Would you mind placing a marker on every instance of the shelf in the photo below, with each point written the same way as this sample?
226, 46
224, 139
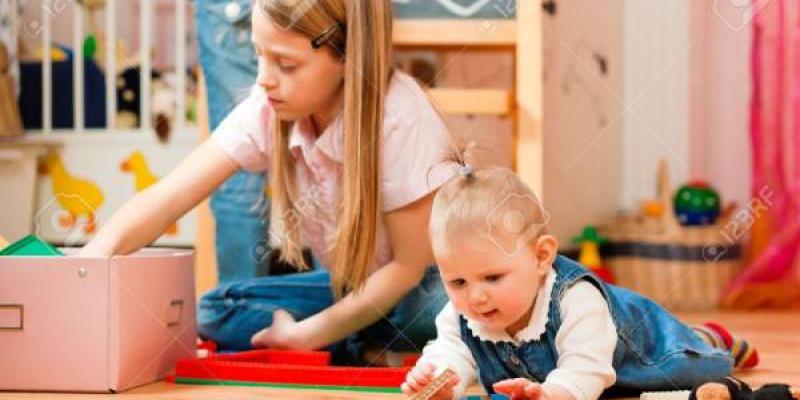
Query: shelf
454, 33
472, 101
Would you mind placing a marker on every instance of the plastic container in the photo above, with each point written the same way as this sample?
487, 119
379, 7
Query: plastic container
81, 324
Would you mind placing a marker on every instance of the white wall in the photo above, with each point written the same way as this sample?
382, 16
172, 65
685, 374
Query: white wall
687, 88
582, 125
658, 53
678, 88
721, 89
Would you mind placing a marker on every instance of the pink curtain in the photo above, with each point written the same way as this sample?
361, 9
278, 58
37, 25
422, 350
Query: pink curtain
770, 278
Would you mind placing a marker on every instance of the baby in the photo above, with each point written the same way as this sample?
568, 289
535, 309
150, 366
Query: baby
532, 324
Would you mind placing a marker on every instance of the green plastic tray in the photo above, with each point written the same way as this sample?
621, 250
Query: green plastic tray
30, 245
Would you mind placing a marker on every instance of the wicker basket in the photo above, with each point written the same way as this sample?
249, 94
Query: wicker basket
686, 273
684, 268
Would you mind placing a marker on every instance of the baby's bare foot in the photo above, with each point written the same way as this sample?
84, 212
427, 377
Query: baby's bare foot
713, 391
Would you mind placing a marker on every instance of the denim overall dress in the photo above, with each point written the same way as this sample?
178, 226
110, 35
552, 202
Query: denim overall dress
654, 350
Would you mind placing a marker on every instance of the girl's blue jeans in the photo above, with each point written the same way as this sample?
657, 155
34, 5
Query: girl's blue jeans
233, 312
239, 206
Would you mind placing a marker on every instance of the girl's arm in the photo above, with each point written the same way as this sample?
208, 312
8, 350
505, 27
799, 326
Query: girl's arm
143, 218
408, 234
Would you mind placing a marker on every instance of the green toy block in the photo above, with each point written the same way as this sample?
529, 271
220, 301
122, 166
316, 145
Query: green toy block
30, 245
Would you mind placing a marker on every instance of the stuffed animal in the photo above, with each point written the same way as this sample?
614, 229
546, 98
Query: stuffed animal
163, 102
731, 388
162, 106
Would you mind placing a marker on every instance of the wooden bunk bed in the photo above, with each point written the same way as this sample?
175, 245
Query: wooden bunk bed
520, 35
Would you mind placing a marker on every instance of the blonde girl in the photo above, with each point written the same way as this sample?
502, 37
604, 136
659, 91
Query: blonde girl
353, 149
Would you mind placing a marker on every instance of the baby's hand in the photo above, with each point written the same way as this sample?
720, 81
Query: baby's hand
421, 376
520, 389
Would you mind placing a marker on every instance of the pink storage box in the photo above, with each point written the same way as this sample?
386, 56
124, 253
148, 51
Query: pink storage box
95, 324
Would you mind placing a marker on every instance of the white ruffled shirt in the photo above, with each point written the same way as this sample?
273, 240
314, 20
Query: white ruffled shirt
585, 341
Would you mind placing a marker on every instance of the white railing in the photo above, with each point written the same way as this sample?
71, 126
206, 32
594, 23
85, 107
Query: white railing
111, 61
51, 9
77, 66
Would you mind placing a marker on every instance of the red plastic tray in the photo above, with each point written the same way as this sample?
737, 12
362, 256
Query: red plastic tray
287, 367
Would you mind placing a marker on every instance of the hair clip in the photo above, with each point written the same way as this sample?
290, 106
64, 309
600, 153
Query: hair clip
325, 36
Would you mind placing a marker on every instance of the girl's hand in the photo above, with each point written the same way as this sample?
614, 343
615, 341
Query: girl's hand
520, 389
283, 334
422, 375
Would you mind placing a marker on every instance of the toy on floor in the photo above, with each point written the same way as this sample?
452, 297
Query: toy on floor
670, 395
590, 241
728, 389
30, 245
286, 369
731, 388
437, 383
441, 380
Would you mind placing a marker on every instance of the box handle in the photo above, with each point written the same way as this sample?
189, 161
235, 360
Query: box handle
174, 312
12, 317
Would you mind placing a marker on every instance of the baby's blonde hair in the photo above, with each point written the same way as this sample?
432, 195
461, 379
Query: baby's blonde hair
491, 204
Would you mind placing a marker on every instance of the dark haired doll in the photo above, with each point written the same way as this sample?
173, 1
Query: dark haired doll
731, 388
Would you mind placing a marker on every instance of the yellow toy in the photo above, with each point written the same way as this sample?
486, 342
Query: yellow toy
652, 208
78, 197
136, 164
590, 241
56, 54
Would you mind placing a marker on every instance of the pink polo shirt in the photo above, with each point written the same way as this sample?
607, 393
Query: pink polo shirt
415, 143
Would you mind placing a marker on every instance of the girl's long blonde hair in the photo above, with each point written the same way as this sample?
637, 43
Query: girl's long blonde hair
361, 32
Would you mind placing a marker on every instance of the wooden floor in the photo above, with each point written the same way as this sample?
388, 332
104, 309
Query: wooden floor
777, 336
